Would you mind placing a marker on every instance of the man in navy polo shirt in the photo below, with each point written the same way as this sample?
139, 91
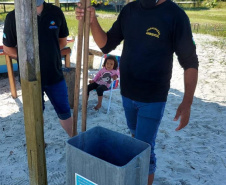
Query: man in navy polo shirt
52, 35
152, 30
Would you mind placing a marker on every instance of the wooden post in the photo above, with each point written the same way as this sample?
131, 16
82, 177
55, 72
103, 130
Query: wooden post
78, 72
85, 66
28, 49
57, 3
65, 52
11, 76
90, 62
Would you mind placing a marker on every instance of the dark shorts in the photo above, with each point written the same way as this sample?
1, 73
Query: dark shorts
58, 96
99, 88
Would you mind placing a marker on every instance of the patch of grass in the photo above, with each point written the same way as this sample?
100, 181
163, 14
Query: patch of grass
214, 29
3, 14
208, 20
207, 16
2, 17
72, 23
106, 23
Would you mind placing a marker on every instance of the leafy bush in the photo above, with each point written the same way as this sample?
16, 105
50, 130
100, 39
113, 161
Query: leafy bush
211, 3
96, 3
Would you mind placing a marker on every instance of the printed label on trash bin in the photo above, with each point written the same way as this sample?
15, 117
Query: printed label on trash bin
80, 180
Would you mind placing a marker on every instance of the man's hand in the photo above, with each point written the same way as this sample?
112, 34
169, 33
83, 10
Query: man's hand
184, 109
62, 42
183, 112
115, 77
98, 33
11, 51
91, 81
79, 12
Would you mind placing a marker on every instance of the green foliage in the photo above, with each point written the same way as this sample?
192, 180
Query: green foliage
99, 3
96, 3
106, 3
211, 3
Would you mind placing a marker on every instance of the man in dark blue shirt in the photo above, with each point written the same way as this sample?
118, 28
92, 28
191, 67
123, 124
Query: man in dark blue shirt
52, 36
152, 31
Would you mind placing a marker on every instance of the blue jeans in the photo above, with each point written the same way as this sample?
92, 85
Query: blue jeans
143, 120
57, 94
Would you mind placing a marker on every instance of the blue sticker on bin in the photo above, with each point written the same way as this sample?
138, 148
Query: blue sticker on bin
80, 180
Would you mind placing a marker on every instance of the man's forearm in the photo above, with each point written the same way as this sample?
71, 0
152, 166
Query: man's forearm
98, 33
190, 82
11, 51
62, 42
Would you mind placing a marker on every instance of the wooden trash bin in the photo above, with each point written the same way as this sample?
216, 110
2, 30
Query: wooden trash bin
105, 157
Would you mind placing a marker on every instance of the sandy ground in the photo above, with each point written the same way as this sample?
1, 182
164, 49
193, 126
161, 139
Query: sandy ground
195, 155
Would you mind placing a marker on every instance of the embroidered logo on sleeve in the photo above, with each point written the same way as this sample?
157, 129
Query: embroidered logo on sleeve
153, 32
52, 25
193, 41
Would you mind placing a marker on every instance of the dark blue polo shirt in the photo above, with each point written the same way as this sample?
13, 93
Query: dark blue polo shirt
150, 39
51, 26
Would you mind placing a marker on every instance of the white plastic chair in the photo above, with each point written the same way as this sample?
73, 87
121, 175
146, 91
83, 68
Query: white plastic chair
114, 85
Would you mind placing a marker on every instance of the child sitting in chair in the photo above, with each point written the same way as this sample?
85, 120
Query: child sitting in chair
102, 80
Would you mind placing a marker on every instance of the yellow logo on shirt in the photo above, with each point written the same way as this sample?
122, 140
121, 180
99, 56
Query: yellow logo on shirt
153, 32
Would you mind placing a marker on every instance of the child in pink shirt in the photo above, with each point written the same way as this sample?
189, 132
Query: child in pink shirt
102, 80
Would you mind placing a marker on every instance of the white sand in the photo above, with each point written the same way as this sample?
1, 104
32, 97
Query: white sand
195, 155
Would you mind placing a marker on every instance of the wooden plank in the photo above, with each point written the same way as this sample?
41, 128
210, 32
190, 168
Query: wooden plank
7, 2
186, 2
78, 72
33, 118
95, 52
28, 50
67, 60
11, 76
65, 52
85, 66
